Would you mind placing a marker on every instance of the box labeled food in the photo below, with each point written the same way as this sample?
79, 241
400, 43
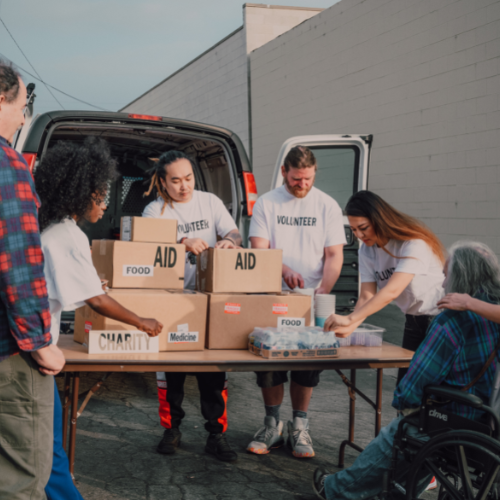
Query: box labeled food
232, 317
128, 264
294, 353
148, 230
183, 314
239, 270
120, 342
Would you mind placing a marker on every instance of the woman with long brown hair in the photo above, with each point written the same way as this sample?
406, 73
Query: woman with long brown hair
401, 260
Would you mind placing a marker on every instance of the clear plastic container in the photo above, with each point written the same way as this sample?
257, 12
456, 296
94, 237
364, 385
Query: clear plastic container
368, 335
344, 341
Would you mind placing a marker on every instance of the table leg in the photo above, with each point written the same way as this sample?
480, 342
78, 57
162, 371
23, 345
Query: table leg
352, 418
67, 382
378, 401
74, 410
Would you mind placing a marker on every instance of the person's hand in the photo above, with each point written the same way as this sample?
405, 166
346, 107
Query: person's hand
344, 331
225, 244
195, 245
336, 321
293, 279
321, 291
50, 359
150, 326
455, 301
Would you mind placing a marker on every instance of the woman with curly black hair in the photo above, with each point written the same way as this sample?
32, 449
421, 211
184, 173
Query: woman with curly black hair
72, 182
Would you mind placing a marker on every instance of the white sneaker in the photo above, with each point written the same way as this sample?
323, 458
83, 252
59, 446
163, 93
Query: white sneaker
298, 438
267, 437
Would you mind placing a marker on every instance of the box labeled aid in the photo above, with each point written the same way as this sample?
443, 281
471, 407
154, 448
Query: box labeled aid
183, 314
127, 264
232, 317
148, 230
239, 270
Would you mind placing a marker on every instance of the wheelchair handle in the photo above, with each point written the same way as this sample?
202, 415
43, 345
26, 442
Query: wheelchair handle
455, 395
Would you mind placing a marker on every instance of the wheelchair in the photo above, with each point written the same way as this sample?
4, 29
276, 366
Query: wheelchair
463, 454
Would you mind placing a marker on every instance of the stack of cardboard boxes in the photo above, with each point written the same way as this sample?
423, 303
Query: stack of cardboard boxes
244, 292
145, 273
238, 290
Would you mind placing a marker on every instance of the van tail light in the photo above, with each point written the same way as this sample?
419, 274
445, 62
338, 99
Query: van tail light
30, 160
146, 117
250, 191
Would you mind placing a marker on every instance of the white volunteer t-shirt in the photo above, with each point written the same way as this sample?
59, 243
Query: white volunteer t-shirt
205, 217
70, 274
301, 227
426, 288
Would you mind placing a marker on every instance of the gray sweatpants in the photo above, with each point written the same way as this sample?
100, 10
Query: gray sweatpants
26, 428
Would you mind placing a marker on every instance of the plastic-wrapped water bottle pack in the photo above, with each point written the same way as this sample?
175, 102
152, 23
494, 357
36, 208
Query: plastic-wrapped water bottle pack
290, 338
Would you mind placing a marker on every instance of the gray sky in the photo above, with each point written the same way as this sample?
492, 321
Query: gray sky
108, 52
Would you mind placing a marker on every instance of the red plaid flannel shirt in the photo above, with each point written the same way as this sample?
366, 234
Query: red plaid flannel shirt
24, 306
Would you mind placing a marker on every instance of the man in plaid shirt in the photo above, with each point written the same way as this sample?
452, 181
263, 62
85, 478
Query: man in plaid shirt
28, 360
455, 349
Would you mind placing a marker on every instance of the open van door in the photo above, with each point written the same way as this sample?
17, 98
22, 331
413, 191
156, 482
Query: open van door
342, 171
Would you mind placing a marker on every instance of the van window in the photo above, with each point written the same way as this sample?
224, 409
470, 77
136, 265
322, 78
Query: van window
337, 173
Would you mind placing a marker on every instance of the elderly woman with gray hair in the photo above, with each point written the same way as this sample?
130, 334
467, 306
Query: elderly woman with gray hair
455, 349
463, 298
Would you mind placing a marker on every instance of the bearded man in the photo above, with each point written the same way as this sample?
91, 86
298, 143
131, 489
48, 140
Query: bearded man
307, 225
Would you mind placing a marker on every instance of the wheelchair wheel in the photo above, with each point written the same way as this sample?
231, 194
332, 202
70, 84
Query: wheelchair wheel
466, 464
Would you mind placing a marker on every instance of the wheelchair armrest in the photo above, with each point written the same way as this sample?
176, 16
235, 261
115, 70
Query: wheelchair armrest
455, 395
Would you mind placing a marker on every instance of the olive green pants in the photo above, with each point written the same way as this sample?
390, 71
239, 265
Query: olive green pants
26, 428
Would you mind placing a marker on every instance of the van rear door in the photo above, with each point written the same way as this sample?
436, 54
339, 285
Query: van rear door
343, 162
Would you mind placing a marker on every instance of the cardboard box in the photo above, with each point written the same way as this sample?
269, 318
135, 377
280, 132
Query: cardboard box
148, 230
294, 353
182, 313
128, 264
232, 317
239, 270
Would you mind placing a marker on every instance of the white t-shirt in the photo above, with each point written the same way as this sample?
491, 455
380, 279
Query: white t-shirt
301, 227
426, 288
70, 274
205, 217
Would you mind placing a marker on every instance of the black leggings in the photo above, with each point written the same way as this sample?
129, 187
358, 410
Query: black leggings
414, 334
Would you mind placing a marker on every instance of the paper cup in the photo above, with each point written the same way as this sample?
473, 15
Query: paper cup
320, 321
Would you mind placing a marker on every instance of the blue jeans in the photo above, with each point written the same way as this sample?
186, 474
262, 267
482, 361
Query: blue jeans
363, 480
60, 485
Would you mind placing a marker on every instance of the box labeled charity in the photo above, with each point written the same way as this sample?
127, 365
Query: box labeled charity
183, 314
232, 316
293, 343
120, 342
239, 270
148, 230
128, 264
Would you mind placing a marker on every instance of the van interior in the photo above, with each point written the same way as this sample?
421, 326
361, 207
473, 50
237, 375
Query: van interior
135, 149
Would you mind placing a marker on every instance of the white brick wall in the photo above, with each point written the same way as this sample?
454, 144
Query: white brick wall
213, 89
423, 76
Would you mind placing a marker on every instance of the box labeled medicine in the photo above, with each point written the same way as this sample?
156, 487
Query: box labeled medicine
127, 264
232, 317
239, 270
183, 314
148, 230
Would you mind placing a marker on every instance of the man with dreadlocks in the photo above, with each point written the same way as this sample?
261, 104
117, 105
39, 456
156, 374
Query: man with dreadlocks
201, 218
